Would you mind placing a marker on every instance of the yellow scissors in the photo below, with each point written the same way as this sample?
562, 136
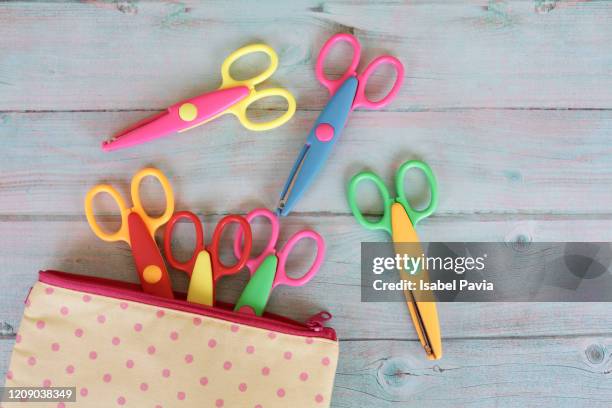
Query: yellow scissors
398, 220
138, 230
233, 96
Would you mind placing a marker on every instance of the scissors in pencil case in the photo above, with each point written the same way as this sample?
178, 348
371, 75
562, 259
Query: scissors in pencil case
138, 230
233, 96
205, 267
268, 268
398, 220
347, 94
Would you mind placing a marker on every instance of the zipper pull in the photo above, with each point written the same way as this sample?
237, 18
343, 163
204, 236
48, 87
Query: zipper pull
317, 322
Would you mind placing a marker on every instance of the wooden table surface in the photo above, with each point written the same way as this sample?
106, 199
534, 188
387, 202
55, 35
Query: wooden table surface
510, 102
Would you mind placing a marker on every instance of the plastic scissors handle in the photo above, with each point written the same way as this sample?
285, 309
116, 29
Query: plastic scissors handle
333, 84
228, 80
384, 222
152, 223
281, 277
188, 265
361, 100
416, 215
254, 263
219, 268
122, 234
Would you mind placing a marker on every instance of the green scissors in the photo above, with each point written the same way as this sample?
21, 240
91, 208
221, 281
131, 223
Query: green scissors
398, 220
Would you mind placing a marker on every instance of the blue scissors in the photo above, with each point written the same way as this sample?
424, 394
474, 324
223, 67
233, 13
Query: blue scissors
347, 93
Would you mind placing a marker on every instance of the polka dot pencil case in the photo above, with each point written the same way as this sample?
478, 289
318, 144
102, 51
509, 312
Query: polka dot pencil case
121, 347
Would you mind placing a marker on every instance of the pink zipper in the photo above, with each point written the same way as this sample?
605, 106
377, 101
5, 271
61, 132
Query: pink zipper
314, 326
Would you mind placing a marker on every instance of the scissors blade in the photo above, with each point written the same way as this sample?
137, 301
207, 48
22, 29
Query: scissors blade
319, 143
180, 117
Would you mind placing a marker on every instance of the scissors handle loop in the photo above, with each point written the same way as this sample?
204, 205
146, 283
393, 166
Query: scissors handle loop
361, 100
384, 222
152, 223
333, 84
228, 80
254, 262
416, 215
240, 109
219, 268
188, 265
122, 234
281, 274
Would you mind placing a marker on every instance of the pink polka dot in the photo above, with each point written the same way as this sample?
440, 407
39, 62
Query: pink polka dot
258, 406
303, 376
64, 311
325, 361
138, 327
101, 319
61, 405
174, 336
319, 398
151, 350
219, 403
227, 365
242, 387
165, 373
188, 358
197, 321
280, 392
160, 313
93, 355
78, 332
235, 328
129, 363
203, 380
271, 335
84, 391
121, 400
116, 341
212, 343
70, 369
86, 298
55, 347
144, 387
18, 338
32, 361
123, 305
40, 324
250, 349
288, 355
265, 371
9, 375
309, 340
49, 291
46, 383
180, 395
107, 378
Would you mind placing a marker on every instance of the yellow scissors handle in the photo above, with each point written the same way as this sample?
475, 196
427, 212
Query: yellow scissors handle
228, 80
122, 234
152, 223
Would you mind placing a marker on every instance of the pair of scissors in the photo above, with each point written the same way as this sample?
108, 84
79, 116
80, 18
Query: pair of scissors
138, 230
398, 220
205, 267
233, 96
268, 268
347, 94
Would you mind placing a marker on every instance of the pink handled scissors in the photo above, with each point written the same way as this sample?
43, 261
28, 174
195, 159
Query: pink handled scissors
268, 268
347, 94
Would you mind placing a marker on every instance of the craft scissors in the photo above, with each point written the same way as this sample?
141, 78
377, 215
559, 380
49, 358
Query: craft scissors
268, 268
138, 230
233, 96
398, 220
347, 94
205, 267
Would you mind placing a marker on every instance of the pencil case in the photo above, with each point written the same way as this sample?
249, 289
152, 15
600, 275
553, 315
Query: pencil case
121, 347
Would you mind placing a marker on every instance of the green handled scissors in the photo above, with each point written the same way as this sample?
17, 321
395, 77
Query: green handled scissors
398, 220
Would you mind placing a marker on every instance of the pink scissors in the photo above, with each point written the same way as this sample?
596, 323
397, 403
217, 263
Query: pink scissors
268, 268
347, 94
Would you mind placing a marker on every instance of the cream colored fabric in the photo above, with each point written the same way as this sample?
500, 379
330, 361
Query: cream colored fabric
126, 354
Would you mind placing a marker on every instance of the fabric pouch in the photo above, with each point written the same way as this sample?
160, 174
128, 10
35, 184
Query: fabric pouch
121, 347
